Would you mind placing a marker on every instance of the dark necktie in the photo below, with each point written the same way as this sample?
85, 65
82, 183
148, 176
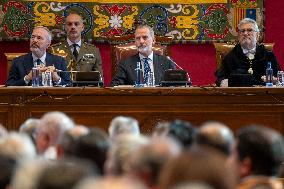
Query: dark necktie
38, 62
147, 69
75, 52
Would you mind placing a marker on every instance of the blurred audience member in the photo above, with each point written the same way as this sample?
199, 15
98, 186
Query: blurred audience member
68, 140
28, 173
49, 132
199, 164
217, 135
7, 167
93, 147
120, 151
123, 125
147, 160
3, 130
110, 183
64, 174
29, 127
183, 131
17, 146
258, 154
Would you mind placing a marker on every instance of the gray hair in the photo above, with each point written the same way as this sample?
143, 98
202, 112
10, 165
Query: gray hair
146, 26
123, 125
248, 20
49, 36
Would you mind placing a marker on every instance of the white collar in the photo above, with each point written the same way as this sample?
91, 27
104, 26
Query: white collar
149, 57
70, 43
42, 59
246, 51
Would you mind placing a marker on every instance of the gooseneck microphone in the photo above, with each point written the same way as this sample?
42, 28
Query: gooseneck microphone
179, 67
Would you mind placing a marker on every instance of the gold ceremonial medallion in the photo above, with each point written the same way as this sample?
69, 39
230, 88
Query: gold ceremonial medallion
251, 56
250, 71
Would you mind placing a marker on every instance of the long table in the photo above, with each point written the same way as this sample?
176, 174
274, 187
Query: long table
97, 106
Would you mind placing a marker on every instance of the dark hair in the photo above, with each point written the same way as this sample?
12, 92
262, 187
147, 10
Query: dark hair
183, 131
264, 146
7, 167
93, 147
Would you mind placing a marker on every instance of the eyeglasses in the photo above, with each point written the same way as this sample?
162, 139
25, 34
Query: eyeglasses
249, 31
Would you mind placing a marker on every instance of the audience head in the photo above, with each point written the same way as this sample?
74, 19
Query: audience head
144, 39
110, 183
51, 129
29, 127
200, 164
64, 174
68, 140
40, 40
3, 130
123, 125
17, 146
74, 26
182, 131
7, 167
28, 173
93, 147
258, 151
146, 161
119, 153
216, 135
248, 33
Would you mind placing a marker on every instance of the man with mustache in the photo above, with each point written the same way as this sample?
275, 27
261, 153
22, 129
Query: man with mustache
21, 70
157, 64
247, 57
81, 56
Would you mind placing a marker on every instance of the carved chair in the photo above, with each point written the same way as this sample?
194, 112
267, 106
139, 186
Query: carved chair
10, 57
123, 47
222, 49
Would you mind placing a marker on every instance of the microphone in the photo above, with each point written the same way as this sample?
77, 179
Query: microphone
179, 67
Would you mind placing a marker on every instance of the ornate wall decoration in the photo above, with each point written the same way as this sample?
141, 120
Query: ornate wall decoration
185, 20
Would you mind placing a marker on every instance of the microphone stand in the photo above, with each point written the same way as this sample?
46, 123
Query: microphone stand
179, 67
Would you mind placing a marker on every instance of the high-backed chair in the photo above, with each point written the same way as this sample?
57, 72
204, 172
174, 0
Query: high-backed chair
10, 57
222, 49
123, 47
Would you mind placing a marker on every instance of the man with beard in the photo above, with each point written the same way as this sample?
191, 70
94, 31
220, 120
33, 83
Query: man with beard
152, 62
247, 57
81, 56
21, 71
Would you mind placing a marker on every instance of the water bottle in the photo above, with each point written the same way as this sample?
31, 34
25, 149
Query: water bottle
139, 75
269, 75
35, 77
280, 78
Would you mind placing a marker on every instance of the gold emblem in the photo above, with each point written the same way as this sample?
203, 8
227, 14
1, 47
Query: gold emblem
250, 71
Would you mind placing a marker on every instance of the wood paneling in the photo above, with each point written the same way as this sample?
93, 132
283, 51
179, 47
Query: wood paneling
97, 106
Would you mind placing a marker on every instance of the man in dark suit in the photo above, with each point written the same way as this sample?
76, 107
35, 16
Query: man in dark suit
151, 62
21, 71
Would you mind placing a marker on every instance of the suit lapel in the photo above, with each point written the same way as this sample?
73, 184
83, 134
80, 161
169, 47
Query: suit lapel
48, 60
28, 63
158, 67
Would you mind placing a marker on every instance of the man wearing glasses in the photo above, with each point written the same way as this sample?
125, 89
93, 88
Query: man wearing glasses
247, 57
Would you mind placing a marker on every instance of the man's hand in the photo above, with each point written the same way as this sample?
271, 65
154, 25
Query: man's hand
29, 77
224, 83
55, 76
274, 79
